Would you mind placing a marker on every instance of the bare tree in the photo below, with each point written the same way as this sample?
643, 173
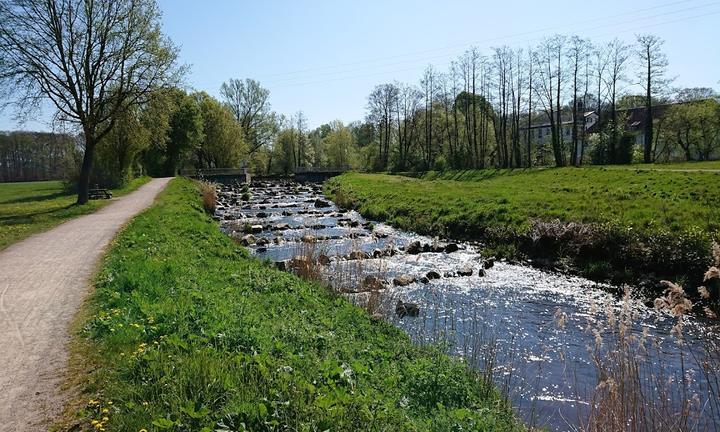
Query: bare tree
249, 103
653, 81
92, 59
576, 54
548, 88
618, 57
381, 108
407, 101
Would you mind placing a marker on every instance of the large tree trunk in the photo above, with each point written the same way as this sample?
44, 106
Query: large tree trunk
84, 179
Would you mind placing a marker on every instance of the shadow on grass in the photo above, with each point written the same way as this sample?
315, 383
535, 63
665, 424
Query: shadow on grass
36, 198
27, 218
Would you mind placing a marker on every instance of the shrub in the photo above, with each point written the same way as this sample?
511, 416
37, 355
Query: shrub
208, 193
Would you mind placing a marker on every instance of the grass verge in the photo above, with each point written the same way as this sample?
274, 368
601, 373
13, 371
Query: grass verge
31, 207
191, 334
607, 223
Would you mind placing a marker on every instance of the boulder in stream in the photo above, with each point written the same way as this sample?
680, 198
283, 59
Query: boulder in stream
465, 271
403, 280
414, 248
320, 203
358, 255
308, 238
403, 309
432, 274
372, 283
256, 229
247, 240
451, 247
489, 263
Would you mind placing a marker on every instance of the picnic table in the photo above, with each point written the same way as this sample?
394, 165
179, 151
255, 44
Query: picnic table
99, 193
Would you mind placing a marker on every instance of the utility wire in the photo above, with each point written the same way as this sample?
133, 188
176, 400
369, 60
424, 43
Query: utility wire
380, 73
553, 29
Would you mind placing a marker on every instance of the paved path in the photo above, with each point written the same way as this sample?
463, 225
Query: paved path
43, 281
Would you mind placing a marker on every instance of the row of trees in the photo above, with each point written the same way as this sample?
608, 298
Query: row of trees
481, 112
35, 156
108, 70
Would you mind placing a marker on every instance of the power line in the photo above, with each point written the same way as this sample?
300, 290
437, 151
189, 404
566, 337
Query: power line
286, 84
488, 40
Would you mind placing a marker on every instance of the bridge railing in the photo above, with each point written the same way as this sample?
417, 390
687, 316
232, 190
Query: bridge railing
208, 172
321, 170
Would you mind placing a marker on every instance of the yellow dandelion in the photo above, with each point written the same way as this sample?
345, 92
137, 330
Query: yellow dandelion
109, 402
143, 430
105, 410
94, 422
105, 419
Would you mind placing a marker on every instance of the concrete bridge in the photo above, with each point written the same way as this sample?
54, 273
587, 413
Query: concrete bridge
318, 174
219, 175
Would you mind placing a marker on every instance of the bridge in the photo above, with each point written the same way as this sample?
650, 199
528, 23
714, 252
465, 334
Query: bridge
218, 175
318, 174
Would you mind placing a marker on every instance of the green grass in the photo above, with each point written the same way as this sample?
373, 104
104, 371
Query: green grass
188, 333
667, 213
32, 207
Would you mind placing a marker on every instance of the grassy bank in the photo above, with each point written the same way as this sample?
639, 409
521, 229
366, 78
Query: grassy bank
32, 207
607, 223
188, 333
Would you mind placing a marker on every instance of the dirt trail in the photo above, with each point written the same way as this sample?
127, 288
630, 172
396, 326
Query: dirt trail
43, 281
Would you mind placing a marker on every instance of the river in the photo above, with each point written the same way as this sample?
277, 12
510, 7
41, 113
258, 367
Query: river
546, 337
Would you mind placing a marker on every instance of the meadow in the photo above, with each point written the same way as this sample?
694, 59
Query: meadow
608, 223
186, 332
31, 207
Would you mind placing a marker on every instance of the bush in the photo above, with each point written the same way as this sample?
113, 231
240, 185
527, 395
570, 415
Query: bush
208, 193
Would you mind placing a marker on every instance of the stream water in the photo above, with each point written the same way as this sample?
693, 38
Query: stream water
537, 329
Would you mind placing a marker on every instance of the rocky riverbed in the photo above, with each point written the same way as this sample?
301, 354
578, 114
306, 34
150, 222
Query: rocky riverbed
539, 332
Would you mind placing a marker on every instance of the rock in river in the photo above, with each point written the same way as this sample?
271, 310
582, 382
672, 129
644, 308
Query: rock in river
372, 283
320, 203
432, 274
414, 248
403, 309
247, 240
451, 247
403, 280
358, 255
465, 271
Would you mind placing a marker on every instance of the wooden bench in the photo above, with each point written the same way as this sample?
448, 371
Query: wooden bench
99, 193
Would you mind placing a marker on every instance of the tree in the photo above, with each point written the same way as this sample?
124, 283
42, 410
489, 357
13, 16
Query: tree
117, 153
222, 145
92, 59
382, 103
618, 57
653, 81
249, 102
548, 90
339, 145
576, 54
186, 133
694, 127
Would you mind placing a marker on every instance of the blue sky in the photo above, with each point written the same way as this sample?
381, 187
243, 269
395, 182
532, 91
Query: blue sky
324, 57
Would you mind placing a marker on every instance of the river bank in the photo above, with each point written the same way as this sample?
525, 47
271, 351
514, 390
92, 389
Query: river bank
618, 226
189, 332
548, 340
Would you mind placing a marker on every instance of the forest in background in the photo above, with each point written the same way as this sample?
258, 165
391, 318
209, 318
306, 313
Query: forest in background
484, 111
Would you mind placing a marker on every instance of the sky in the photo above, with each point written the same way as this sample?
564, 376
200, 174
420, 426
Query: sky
324, 57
